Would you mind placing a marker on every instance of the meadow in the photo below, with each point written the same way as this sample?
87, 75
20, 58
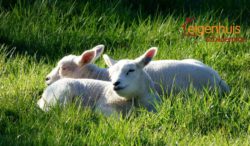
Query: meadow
34, 35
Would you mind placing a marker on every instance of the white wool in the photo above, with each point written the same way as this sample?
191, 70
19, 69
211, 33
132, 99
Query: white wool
179, 75
93, 93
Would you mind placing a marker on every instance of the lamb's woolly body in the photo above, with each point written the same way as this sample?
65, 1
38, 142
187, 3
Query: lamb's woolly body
93, 93
179, 75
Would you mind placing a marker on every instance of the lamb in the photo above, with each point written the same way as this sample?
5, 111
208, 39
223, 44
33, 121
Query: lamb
73, 66
173, 76
130, 85
96, 94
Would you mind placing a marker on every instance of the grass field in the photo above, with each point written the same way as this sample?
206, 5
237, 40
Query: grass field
35, 34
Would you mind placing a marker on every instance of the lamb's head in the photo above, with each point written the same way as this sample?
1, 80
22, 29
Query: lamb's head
128, 77
72, 66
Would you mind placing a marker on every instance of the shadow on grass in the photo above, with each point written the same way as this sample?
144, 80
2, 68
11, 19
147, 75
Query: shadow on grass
149, 7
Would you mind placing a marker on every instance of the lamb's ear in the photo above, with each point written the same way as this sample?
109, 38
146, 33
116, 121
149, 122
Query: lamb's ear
98, 51
86, 57
109, 61
143, 60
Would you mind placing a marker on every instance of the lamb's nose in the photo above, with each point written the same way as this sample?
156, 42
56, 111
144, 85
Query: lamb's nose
116, 83
47, 78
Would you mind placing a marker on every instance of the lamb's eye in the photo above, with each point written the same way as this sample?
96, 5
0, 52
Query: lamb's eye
64, 68
129, 71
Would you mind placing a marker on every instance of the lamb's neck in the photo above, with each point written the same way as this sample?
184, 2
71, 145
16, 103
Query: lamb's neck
113, 97
147, 86
148, 101
121, 104
94, 72
147, 96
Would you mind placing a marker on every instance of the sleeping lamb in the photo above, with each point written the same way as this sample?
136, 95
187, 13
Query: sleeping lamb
178, 75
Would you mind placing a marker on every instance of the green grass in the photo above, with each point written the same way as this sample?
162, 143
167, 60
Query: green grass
34, 36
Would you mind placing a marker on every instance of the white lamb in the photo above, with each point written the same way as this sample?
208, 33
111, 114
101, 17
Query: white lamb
95, 94
129, 83
179, 75
73, 66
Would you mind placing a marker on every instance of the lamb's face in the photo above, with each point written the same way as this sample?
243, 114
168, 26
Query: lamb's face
128, 76
72, 66
66, 67
125, 76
